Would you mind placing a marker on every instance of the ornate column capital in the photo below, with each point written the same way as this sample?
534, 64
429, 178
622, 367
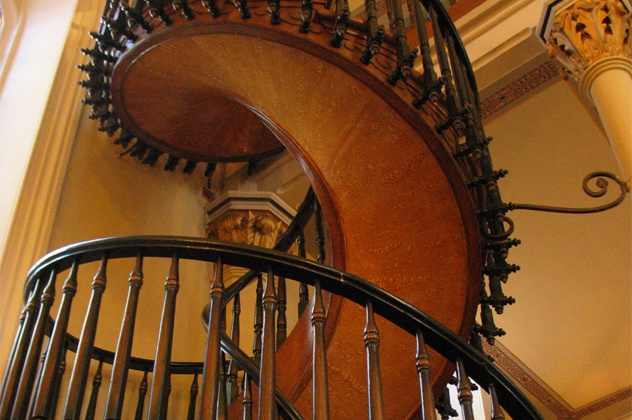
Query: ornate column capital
581, 33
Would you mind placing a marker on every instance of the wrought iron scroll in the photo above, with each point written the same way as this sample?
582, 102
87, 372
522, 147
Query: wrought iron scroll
601, 183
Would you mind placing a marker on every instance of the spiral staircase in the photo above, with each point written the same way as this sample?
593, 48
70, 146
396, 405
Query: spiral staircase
382, 144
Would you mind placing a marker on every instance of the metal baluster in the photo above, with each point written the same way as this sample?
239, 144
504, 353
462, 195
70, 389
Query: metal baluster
256, 347
242, 6
52, 409
497, 412
120, 367
267, 378
405, 57
281, 307
273, 8
79, 376
457, 71
192, 400
94, 395
303, 292
341, 24
160, 379
20, 349
425, 384
443, 405
212, 7
374, 376
212, 360
183, 6
233, 386
444, 65
465, 391
374, 32
247, 401
25, 387
432, 85
320, 402
157, 10
45, 390
222, 399
307, 11
142, 391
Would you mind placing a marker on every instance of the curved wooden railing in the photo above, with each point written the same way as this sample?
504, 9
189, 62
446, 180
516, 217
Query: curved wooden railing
23, 382
450, 97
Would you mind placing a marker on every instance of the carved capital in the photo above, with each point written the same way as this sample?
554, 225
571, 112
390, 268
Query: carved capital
250, 227
588, 31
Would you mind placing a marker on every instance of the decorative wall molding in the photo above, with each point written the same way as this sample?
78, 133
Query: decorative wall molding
520, 89
515, 369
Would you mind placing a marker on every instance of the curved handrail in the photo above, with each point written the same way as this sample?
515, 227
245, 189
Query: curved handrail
358, 290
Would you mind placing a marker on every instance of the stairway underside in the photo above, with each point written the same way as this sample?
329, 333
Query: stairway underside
395, 201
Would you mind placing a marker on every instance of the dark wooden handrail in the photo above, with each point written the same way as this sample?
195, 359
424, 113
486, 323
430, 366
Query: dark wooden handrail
349, 286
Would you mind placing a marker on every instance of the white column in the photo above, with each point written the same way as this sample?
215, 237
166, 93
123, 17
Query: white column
591, 40
608, 84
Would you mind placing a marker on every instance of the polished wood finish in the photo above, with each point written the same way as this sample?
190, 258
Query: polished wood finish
368, 226
20, 350
422, 359
160, 381
281, 317
25, 386
45, 393
120, 368
320, 404
79, 377
142, 392
497, 412
193, 397
267, 380
233, 386
464, 387
94, 395
374, 373
212, 360
207, 127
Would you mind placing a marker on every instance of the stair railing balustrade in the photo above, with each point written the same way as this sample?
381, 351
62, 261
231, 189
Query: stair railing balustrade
215, 388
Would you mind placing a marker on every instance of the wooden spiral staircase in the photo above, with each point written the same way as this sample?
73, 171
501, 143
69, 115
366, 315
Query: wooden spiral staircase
398, 161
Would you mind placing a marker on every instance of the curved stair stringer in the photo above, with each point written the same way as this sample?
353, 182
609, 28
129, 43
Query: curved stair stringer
397, 207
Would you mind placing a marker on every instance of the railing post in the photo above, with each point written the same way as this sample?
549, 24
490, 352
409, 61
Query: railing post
45, 390
372, 343
233, 386
25, 387
94, 395
120, 368
193, 397
465, 391
423, 370
20, 350
320, 397
158, 396
79, 377
142, 392
267, 372
210, 376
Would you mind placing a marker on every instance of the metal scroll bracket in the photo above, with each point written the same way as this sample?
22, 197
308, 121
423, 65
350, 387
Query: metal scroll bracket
602, 185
